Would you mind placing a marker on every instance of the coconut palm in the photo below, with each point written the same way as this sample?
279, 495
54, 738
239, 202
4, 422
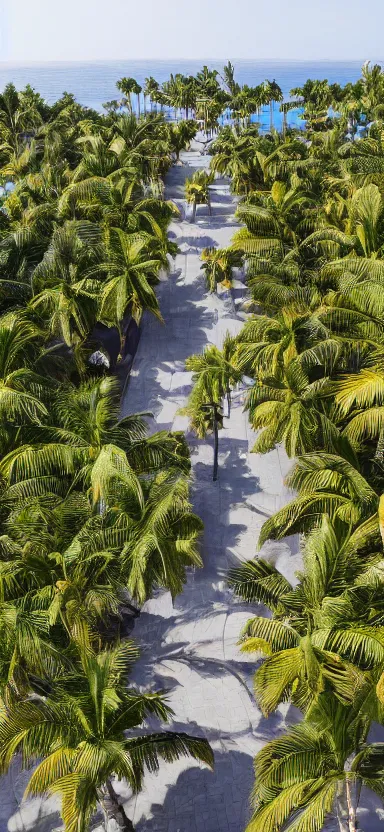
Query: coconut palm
149, 520
131, 271
151, 89
271, 221
180, 136
83, 420
197, 191
18, 114
218, 264
314, 773
127, 86
235, 154
213, 376
88, 731
326, 483
320, 625
21, 388
290, 410
272, 92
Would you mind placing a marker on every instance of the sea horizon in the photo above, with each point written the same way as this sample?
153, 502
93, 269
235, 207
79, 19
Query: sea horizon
93, 83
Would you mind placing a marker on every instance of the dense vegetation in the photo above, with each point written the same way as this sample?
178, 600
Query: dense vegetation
95, 512
311, 353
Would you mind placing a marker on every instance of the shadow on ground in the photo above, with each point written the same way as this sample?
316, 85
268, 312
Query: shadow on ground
205, 801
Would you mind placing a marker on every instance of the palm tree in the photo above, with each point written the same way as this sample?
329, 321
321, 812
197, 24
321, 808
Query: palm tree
218, 264
319, 626
290, 410
271, 92
197, 191
21, 388
213, 376
151, 89
271, 221
127, 86
141, 146
148, 519
60, 290
315, 772
18, 113
88, 731
180, 136
316, 98
331, 484
137, 89
130, 270
235, 154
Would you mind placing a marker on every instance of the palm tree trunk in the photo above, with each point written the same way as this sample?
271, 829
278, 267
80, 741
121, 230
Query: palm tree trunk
138, 104
229, 402
341, 808
193, 212
271, 115
381, 517
114, 811
352, 805
215, 447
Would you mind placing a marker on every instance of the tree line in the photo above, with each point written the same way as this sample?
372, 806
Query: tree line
95, 510
310, 360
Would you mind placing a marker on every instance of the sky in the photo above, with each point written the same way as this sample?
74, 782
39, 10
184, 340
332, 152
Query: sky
53, 30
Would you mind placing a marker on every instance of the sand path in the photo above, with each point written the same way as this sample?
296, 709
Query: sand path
190, 648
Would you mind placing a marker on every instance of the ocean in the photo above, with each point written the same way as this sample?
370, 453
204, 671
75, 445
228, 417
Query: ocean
95, 83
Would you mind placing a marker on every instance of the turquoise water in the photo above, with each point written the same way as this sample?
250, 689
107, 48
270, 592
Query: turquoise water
94, 83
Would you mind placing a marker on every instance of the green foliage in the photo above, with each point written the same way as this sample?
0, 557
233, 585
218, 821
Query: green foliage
311, 356
85, 731
95, 511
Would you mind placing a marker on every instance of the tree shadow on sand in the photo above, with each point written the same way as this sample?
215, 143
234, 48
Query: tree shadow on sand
205, 801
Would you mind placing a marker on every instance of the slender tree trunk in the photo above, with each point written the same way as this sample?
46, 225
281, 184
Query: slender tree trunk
341, 808
186, 112
122, 341
138, 104
229, 402
215, 447
114, 811
381, 517
145, 104
352, 805
271, 115
209, 207
193, 212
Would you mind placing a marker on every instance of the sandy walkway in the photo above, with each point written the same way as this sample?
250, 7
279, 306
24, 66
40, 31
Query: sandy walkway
190, 649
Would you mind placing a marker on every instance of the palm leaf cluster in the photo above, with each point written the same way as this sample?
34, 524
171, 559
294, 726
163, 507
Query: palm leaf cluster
94, 509
311, 355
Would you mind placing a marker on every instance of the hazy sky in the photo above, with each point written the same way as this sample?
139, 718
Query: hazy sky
47, 30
